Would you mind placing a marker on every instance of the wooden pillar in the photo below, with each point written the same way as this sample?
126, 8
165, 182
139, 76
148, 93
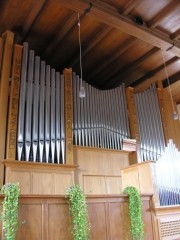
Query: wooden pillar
13, 103
133, 123
68, 115
8, 38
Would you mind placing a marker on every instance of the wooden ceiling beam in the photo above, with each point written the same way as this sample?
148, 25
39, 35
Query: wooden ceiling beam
144, 82
108, 15
96, 40
122, 48
172, 79
130, 6
164, 13
129, 69
175, 35
31, 18
70, 23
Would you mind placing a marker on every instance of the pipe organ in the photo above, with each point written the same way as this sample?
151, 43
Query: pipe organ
100, 119
152, 143
41, 134
168, 175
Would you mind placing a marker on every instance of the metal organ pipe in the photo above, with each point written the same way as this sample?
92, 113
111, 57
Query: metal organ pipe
168, 175
150, 125
20, 134
41, 131
101, 119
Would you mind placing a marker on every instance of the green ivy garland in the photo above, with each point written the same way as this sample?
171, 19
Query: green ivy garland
135, 212
78, 210
10, 210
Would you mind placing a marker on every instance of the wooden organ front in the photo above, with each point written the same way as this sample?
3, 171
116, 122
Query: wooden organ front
51, 131
51, 139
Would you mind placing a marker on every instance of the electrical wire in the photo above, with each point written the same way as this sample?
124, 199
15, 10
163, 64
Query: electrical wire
82, 90
174, 112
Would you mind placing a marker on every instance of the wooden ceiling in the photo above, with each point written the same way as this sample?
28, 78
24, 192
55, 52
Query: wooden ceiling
121, 39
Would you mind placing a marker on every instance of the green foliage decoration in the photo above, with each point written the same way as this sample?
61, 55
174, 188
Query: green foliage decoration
135, 213
9, 215
78, 210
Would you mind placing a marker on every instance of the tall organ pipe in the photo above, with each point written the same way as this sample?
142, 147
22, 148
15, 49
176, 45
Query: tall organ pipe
101, 119
150, 125
41, 133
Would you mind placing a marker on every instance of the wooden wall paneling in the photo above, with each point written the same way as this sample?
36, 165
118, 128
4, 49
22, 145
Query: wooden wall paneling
1, 52
48, 217
42, 183
98, 221
39, 178
62, 181
130, 177
8, 38
13, 103
59, 222
147, 218
31, 222
143, 177
113, 184
99, 169
119, 216
133, 123
68, 115
24, 179
93, 184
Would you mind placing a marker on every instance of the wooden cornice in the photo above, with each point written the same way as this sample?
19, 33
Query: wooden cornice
38, 165
108, 15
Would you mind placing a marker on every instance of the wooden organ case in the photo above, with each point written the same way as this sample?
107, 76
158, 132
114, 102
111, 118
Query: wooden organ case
54, 140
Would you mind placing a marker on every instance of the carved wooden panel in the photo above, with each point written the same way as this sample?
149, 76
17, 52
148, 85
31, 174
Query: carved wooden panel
13, 103
68, 114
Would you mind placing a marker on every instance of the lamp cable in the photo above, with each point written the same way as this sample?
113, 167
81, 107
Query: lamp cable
175, 115
82, 89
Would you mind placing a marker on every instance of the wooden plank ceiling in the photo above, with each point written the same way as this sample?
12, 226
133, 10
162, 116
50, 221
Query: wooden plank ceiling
121, 39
